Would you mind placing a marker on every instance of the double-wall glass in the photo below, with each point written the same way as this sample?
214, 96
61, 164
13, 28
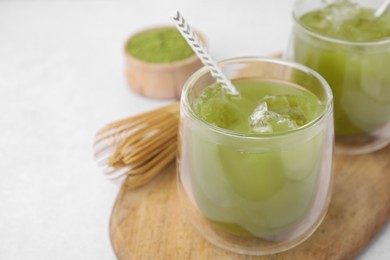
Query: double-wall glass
255, 193
357, 70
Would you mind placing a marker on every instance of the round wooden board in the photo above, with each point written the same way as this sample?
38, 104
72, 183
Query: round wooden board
148, 223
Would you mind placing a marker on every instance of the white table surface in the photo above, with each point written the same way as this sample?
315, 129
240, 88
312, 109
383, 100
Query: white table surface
61, 79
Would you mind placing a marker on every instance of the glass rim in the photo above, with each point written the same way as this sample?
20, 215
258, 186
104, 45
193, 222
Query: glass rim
186, 108
327, 38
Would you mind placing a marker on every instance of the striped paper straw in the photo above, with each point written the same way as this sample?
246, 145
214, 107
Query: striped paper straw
382, 8
193, 40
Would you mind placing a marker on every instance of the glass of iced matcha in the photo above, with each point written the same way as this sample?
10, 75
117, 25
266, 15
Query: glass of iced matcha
349, 46
254, 170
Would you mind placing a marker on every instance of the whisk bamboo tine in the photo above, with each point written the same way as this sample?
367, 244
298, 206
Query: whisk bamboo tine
139, 147
149, 125
141, 161
149, 152
135, 149
136, 181
128, 157
117, 131
118, 174
126, 125
119, 155
115, 159
139, 135
154, 162
171, 155
147, 166
148, 144
149, 141
101, 148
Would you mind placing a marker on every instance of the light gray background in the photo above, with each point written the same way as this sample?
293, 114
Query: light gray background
61, 79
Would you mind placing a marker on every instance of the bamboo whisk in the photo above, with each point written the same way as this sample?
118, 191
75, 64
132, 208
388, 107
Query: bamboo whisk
138, 148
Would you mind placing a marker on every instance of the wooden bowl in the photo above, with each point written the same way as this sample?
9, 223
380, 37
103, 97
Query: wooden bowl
159, 80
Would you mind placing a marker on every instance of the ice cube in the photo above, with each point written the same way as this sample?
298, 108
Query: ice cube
291, 105
215, 107
338, 13
263, 120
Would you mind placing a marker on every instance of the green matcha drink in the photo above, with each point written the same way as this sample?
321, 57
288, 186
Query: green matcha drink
350, 48
257, 165
256, 193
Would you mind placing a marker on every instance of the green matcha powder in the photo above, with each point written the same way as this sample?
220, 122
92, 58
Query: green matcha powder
162, 45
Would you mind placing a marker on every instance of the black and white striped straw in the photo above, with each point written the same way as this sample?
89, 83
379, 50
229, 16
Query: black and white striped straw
193, 40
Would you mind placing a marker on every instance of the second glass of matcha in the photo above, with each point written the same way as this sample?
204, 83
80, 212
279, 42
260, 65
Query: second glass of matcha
349, 46
255, 170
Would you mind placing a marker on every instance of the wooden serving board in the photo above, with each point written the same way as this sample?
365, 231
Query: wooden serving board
148, 223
